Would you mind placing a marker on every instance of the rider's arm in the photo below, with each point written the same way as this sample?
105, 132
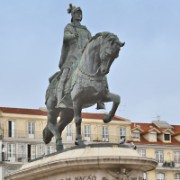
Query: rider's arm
68, 33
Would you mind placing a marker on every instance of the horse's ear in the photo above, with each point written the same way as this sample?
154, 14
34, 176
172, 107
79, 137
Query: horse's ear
122, 44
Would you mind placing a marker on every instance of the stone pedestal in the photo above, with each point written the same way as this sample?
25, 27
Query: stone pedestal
92, 162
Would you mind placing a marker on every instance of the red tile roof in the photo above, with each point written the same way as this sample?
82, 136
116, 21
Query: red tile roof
146, 127
22, 111
176, 129
100, 116
173, 142
44, 113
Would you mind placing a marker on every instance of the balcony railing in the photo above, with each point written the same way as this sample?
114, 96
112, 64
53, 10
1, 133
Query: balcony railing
169, 165
20, 134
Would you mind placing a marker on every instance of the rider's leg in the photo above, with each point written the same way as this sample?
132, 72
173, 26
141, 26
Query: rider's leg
61, 85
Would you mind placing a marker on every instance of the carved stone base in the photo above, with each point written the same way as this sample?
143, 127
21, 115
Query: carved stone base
92, 162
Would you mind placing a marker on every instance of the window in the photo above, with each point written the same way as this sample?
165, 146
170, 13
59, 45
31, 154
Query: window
87, 132
122, 132
21, 152
50, 149
104, 133
167, 137
160, 156
142, 152
177, 158
153, 137
160, 176
136, 135
31, 129
11, 129
11, 152
144, 176
69, 134
31, 151
177, 176
40, 150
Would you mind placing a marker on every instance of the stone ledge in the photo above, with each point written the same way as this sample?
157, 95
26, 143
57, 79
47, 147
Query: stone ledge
84, 159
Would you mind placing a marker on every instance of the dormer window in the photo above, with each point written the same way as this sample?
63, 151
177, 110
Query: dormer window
167, 137
136, 135
153, 137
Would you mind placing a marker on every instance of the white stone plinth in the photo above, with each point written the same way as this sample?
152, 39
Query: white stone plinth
89, 163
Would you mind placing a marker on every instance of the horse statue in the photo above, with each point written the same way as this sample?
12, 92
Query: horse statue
88, 85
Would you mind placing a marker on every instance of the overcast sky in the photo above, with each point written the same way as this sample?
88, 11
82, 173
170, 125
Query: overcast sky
146, 74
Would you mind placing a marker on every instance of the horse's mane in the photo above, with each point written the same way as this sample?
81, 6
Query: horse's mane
105, 35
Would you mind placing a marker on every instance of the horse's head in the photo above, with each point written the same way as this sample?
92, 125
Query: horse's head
109, 50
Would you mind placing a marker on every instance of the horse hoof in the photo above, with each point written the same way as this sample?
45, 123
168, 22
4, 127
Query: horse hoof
107, 118
47, 135
59, 146
79, 142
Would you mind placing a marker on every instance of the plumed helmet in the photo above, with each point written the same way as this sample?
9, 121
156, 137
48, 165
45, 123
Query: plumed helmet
72, 9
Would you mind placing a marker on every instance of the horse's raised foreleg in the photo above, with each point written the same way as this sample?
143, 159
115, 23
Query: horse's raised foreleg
78, 119
116, 101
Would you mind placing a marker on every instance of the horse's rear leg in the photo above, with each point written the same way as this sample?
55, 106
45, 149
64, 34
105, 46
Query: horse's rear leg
116, 101
78, 119
51, 126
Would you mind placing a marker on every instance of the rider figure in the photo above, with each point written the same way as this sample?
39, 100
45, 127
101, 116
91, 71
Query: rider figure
76, 36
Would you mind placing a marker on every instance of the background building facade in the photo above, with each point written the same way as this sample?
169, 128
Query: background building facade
21, 139
161, 141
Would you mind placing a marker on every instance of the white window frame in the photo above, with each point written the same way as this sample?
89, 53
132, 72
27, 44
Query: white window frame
136, 135
21, 152
69, 132
33, 151
153, 137
31, 129
160, 156
105, 133
168, 135
40, 150
142, 152
145, 176
11, 152
50, 149
177, 176
177, 158
87, 132
122, 132
160, 176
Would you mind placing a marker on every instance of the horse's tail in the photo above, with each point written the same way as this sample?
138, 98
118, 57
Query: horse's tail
53, 80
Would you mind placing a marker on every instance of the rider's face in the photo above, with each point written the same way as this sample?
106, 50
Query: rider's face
77, 15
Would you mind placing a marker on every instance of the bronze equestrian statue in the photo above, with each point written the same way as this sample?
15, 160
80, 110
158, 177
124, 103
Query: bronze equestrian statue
85, 62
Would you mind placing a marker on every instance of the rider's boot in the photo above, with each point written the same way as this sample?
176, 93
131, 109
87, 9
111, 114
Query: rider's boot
100, 105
